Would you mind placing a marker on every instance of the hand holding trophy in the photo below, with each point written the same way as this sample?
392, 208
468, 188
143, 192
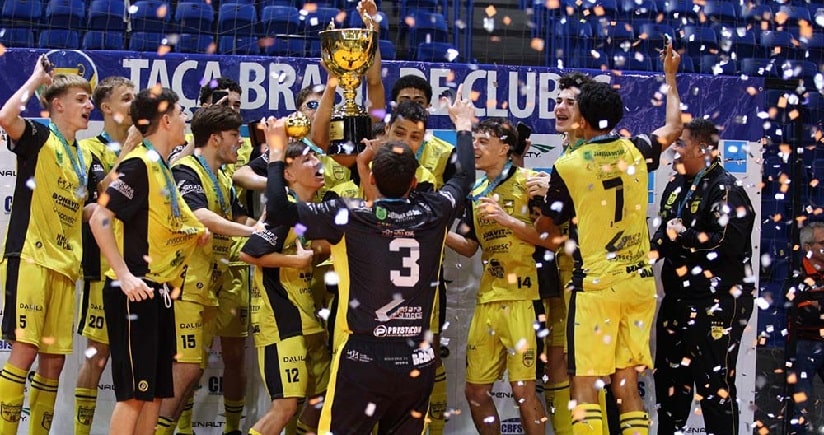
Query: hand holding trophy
348, 54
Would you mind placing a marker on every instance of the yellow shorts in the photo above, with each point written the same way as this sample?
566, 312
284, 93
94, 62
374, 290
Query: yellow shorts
92, 317
195, 328
502, 336
556, 322
232, 318
39, 306
610, 328
296, 367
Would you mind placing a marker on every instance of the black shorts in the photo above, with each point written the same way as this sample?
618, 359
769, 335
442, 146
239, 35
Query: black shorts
371, 385
142, 343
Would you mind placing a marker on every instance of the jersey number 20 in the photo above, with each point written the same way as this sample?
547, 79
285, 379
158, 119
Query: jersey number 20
410, 262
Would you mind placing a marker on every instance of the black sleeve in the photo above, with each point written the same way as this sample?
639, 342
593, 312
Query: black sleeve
95, 176
650, 147
466, 226
451, 168
558, 203
190, 187
424, 187
330, 194
459, 185
279, 211
238, 209
265, 242
32, 139
259, 165
129, 193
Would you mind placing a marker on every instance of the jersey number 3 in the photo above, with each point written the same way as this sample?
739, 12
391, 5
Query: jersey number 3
410, 262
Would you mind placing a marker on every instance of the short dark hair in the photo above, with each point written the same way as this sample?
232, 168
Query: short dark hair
211, 120
600, 105
104, 89
394, 167
217, 84
378, 129
573, 80
412, 81
501, 128
410, 111
703, 131
295, 149
304, 94
149, 105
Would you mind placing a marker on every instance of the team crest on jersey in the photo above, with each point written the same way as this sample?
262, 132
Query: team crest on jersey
143, 386
529, 358
46, 422
10, 413
84, 415
671, 200
694, 206
380, 213
717, 332
59, 157
339, 173
587, 155
509, 206
495, 269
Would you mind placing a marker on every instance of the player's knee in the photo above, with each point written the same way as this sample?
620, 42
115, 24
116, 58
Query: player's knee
50, 365
188, 373
284, 409
22, 355
477, 394
523, 392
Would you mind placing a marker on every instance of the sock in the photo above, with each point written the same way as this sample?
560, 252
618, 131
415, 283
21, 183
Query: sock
437, 402
602, 403
254, 432
304, 428
12, 387
291, 427
165, 426
85, 401
557, 401
184, 423
234, 412
41, 401
635, 423
587, 419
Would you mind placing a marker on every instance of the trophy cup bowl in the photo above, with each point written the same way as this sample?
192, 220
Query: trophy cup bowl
348, 53
298, 125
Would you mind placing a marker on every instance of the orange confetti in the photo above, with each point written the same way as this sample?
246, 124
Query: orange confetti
490, 11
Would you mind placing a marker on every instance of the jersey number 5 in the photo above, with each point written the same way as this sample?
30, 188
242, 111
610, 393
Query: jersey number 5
410, 262
617, 184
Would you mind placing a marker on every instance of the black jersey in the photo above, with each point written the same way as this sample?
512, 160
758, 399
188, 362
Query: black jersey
387, 255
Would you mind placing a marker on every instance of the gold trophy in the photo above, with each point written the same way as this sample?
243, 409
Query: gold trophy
298, 126
348, 53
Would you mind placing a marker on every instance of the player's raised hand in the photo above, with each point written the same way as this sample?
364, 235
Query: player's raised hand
461, 111
671, 59
276, 138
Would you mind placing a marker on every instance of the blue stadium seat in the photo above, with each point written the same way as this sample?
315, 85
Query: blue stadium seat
236, 19
17, 37
779, 44
713, 64
687, 65
570, 38
436, 52
145, 41
195, 43
59, 38
684, 12
634, 61
651, 36
814, 46
638, 9
313, 47
760, 67
279, 20
355, 20
153, 16
107, 15
613, 37
594, 59
290, 3
814, 102
238, 45
798, 69
792, 15
428, 27
387, 48
65, 14
21, 13
760, 16
743, 42
601, 10
319, 19
194, 17
102, 40
699, 40
285, 45
723, 12
407, 7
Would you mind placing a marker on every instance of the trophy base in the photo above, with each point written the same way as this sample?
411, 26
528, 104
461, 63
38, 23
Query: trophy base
346, 133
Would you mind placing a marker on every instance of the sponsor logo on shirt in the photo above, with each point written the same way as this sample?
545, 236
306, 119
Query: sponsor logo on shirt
396, 331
